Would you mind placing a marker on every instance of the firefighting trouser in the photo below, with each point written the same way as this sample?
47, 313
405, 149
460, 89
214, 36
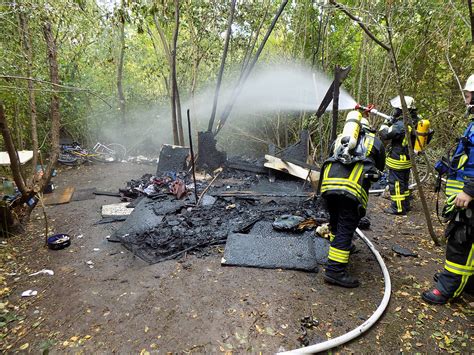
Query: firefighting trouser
398, 181
458, 272
344, 217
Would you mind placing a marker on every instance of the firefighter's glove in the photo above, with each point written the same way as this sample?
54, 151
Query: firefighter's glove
449, 207
389, 121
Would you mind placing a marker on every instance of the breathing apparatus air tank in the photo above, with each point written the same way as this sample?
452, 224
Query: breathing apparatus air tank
347, 141
422, 131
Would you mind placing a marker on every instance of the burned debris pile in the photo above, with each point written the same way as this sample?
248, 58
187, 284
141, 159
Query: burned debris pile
163, 227
265, 217
167, 222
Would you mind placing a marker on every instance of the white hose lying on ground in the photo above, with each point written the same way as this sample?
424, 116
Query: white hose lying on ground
379, 191
331, 343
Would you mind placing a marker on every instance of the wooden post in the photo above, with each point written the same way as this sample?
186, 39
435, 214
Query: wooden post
335, 104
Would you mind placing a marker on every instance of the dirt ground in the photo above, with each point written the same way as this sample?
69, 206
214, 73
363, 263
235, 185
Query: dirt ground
103, 299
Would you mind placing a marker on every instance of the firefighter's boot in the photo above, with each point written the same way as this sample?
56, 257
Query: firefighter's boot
391, 210
341, 278
469, 288
434, 297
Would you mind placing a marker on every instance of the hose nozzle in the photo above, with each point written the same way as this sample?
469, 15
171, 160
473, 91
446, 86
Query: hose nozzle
371, 109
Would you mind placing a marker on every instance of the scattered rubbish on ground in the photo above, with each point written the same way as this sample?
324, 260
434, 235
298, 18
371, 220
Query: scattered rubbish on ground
43, 271
364, 223
61, 196
90, 263
59, 241
172, 158
323, 231
208, 200
287, 222
166, 222
107, 193
307, 323
110, 219
141, 159
403, 251
29, 293
116, 210
84, 194
298, 169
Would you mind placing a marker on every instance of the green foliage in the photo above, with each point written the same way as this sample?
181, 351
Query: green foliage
431, 48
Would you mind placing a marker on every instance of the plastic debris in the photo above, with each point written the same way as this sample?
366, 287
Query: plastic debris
403, 251
44, 271
208, 200
29, 293
287, 222
323, 231
307, 224
364, 223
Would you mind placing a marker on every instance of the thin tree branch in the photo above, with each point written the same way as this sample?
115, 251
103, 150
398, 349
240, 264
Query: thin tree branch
71, 88
450, 65
12, 153
359, 22
221, 69
459, 14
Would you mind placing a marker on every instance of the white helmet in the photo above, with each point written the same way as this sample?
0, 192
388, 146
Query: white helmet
397, 103
469, 84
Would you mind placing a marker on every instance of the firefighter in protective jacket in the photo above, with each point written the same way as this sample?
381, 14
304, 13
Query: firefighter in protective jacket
458, 272
398, 159
345, 184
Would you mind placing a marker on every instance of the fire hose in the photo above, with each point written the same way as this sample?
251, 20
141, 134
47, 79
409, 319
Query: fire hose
342, 339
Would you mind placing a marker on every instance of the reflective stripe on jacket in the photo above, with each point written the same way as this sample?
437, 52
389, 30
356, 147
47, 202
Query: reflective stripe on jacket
463, 164
398, 155
349, 180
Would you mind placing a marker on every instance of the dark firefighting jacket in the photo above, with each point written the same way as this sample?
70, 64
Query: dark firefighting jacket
353, 180
398, 157
462, 165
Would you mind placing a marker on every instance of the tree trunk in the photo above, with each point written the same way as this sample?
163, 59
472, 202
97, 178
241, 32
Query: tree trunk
396, 69
221, 69
121, 97
179, 117
12, 153
171, 57
175, 93
26, 40
55, 115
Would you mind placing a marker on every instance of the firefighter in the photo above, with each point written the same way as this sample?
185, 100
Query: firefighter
458, 272
345, 184
398, 159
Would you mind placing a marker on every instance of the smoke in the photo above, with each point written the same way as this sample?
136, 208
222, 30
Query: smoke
270, 91
146, 128
279, 88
